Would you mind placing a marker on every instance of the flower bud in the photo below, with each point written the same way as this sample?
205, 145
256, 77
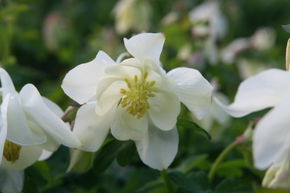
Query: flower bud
288, 55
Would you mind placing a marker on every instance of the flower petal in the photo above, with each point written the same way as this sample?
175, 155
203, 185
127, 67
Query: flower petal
272, 135
3, 124
125, 126
81, 82
163, 115
158, 148
90, 128
146, 46
28, 156
108, 94
19, 131
47, 119
193, 90
264, 90
11, 181
6, 82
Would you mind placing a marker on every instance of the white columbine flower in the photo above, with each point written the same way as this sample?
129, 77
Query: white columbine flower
136, 98
270, 88
30, 125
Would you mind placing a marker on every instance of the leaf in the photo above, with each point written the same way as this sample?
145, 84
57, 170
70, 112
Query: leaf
267, 190
286, 28
232, 186
231, 168
191, 125
126, 154
106, 155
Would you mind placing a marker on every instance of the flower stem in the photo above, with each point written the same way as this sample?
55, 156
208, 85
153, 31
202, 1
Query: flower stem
167, 181
220, 158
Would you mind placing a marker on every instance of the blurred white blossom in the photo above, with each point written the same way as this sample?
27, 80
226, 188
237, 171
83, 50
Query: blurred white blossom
132, 14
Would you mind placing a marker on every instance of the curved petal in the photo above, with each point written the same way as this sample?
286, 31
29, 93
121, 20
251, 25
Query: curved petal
264, 90
108, 94
11, 181
81, 82
272, 136
53, 107
90, 128
193, 90
52, 124
44, 155
125, 126
19, 131
146, 46
28, 156
6, 82
158, 148
3, 124
164, 109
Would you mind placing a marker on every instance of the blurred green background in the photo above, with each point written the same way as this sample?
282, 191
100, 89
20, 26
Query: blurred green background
41, 40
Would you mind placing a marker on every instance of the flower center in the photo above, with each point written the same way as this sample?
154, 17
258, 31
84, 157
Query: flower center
135, 98
11, 151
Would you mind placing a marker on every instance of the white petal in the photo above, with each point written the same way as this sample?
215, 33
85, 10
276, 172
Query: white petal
90, 128
126, 126
164, 109
44, 155
11, 181
264, 90
272, 135
53, 107
6, 82
3, 124
108, 95
19, 131
43, 116
81, 82
158, 148
193, 90
146, 46
28, 156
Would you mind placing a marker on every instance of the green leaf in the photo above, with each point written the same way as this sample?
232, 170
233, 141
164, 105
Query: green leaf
267, 190
106, 155
232, 186
126, 154
191, 125
286, 28
231, 169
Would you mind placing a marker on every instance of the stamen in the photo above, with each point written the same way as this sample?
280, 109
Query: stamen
11, 151
135, 99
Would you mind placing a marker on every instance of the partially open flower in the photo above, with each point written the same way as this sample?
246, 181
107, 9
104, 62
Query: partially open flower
136, 98
29, 126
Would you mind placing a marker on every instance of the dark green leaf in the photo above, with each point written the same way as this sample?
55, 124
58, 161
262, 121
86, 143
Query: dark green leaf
126, 154
191, 125
232, 186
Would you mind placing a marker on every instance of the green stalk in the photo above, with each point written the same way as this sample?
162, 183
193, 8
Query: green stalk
167, 181
220, 158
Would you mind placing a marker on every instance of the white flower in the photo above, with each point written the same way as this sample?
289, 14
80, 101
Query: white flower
132, 14
11, 181
278, 175
270, 88
209, 22
136, 98
30, 125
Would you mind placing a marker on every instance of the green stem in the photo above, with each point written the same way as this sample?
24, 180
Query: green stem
167, 181
220, 158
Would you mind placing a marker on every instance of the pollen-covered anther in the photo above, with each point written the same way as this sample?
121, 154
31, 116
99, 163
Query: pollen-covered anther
11, 151
135, 99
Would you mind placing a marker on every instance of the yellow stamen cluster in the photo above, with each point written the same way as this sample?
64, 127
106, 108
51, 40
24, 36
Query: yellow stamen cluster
11, 151
135, 98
